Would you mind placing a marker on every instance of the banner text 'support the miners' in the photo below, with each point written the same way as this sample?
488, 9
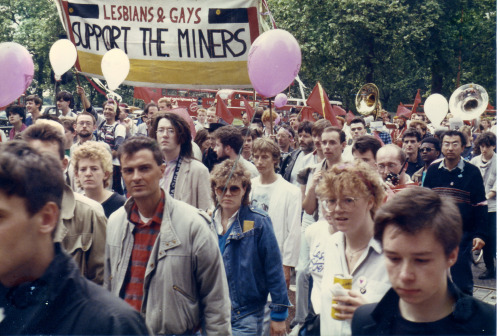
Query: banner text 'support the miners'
188, 43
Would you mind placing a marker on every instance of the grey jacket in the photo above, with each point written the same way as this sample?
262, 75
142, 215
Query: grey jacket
185, 282
489, 173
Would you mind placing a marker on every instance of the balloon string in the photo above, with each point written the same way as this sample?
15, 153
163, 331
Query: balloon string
270, 14
55, 97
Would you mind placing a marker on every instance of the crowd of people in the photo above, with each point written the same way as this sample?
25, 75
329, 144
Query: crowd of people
190, 226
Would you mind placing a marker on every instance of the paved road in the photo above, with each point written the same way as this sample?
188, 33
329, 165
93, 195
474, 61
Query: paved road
485, 290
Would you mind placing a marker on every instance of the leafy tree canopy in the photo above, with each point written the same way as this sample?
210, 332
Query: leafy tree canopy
400, 46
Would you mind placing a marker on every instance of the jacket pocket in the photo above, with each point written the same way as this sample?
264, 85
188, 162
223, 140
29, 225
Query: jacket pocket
187, 310
74, 243
183, 293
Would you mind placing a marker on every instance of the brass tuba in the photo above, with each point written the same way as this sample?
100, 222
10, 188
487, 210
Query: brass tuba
468, 101
367, 100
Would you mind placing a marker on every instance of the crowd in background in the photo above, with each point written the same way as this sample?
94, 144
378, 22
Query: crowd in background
200, 225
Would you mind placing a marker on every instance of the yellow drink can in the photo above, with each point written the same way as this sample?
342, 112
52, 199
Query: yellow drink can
346, 282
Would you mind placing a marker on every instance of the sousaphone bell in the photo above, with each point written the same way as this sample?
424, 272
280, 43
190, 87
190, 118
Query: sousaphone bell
468, 101
367, 100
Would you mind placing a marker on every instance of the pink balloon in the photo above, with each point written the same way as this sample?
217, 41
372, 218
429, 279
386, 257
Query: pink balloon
277, 120
274, 61
280, 100
16, 71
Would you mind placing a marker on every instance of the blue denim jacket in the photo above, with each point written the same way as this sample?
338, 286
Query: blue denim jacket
253, 265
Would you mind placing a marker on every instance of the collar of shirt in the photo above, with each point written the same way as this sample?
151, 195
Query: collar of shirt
135, 218
460, 165
169, 173
218, 221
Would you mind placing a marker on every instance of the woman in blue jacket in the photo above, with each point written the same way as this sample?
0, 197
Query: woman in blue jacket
250, 252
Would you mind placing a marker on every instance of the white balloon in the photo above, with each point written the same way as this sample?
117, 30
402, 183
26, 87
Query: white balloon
62, 57
115, 66
436, 108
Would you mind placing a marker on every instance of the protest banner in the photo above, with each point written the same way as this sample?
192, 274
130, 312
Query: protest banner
173, 43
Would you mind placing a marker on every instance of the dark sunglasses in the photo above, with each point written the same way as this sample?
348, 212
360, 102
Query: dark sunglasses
426, 149
232, 190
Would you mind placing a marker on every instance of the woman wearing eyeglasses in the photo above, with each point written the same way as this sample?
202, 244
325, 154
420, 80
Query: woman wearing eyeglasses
350, 194
250, 252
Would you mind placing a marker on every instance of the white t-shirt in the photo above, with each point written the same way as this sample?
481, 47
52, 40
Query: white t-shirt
283, 202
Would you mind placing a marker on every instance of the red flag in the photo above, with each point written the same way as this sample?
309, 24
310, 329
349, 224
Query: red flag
490, 107
248, 109
349, 117
307, 114
402, 110
318, 100
223, 112
338, 110
417, 101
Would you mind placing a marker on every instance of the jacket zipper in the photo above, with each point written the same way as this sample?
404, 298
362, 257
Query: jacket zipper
178, 289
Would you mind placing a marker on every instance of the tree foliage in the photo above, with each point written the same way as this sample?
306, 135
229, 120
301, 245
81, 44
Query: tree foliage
400, 46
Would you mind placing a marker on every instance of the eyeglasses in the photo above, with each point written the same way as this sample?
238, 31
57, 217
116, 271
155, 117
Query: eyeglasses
391, 166
233, 190
346, 203
425, 150
169, 131
451, 144
84, 123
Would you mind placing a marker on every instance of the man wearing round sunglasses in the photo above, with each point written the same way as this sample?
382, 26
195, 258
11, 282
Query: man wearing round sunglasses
429, 152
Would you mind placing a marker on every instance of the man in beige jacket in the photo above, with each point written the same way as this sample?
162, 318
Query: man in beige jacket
185, 179
82, 223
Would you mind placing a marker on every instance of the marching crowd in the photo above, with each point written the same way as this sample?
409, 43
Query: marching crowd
175, 226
